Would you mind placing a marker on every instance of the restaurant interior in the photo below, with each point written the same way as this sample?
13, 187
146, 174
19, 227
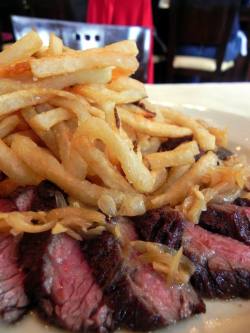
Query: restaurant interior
180, 41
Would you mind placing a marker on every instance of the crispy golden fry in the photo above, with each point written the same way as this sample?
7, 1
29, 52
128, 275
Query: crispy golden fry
48, 119
127, 47
7, 125
20, 99
101, 95
205, 140
29, 133
85, 76
221, 136
80, 107
49, 168
107, 205
55, 45
136, 172
150, 127
47, 137
85, 213
89, 59
173, 175
70, 158
148, 145
15, 168
126, 83
11, 102
179, 189
101, 165
183, 154
135, 108
18, 71
22, 49
193, 205
9, 85
99, 75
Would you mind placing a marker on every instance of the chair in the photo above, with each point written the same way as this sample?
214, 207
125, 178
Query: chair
82, 36
200, 23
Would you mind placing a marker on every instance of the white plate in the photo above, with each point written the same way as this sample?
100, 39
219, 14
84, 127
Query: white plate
221, 316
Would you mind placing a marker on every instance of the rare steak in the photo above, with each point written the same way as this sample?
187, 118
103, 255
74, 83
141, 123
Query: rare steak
13, 300
60, 282
222, 263
138, 295
229, 220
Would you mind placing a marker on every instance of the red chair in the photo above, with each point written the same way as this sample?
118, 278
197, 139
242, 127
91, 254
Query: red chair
129, 12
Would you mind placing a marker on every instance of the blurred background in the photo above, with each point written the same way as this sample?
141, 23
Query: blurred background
179, 40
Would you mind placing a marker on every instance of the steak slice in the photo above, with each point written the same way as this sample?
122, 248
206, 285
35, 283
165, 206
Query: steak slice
60, 281
229, 220
138, 295
160, 226
13, 300
42, 197
222, 263
243, 202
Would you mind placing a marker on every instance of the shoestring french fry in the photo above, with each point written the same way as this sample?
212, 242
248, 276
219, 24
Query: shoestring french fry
173, 174
49, 168
127, 47
101, 165
136, 172
19, 71
15, 168
46, 120
183, 154
7, 125
205, 139
48, 137
55, 45
98, 75
70, 158
179, 189
152, 128
100, 94
23, 48
126, 83
89, 59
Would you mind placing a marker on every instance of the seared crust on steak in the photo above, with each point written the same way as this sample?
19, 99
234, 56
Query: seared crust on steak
60, 282
138, 295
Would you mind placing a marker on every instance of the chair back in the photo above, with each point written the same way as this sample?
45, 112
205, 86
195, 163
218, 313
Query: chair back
201, 23
82, 36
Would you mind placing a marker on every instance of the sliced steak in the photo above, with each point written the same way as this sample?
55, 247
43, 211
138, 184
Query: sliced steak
161, 226
229, 220
13, 300
60, 281
172, 143
42, 197
222, 263
138, 295
243, 202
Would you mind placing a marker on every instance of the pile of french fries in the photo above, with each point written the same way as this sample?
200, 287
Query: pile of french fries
77, 119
